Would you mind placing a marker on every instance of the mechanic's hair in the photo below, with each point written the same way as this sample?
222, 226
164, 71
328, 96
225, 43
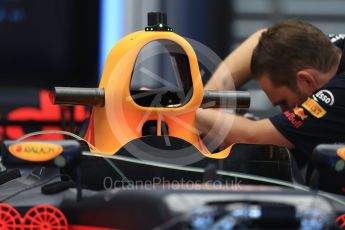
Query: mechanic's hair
290, 46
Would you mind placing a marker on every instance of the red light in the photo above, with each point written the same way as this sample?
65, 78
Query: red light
42, 217
45, 217
9, 218
341, 221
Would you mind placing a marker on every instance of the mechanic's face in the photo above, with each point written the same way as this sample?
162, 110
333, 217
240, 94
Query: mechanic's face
282, 96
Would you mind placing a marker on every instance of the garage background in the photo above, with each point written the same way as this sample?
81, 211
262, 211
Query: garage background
46, 43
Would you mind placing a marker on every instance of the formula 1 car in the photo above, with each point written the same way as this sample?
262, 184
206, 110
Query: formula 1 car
140, 163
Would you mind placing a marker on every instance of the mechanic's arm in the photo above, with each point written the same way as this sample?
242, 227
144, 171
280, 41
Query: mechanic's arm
241, 130
237, 63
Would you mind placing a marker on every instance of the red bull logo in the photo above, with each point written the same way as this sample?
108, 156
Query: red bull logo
300, 113
292, 118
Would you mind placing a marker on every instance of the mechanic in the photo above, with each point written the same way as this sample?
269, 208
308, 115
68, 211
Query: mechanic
300, 69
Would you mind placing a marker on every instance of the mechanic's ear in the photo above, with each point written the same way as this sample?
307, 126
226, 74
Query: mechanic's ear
307, 80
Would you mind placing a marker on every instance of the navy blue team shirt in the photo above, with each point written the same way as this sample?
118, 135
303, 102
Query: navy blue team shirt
321, 117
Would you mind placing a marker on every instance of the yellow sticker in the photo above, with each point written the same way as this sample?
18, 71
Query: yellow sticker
314, 108
35, 151
341, 153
